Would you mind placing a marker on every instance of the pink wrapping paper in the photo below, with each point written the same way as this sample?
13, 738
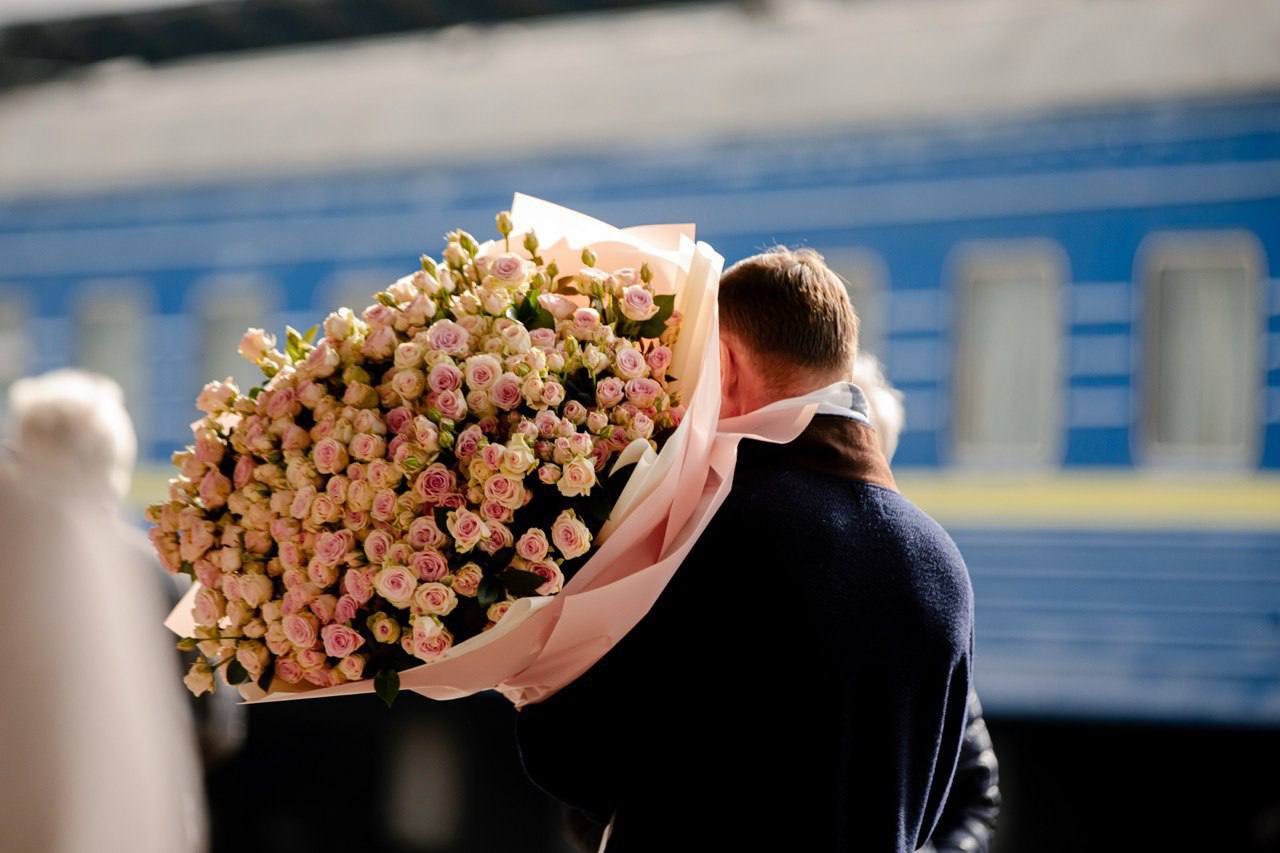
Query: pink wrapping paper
544, 643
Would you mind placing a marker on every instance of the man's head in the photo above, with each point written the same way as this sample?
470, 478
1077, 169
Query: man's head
786, 328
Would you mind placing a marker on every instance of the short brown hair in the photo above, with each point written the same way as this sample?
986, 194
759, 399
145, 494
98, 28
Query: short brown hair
788, 304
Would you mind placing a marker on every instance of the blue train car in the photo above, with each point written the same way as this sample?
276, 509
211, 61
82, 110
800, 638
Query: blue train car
1080, 302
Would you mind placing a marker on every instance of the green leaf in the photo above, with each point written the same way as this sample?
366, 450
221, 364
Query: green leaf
387, 685
386, 299
254, 392
491, 590
236, 674
654, 326
666, 305
187, 644
520, 583
293, 344
310, 334
599, 503
264, 680
187, 569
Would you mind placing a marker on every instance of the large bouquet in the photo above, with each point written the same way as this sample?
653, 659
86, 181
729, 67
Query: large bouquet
392, 490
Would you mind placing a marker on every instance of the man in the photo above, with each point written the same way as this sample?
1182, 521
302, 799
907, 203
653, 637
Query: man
968, 820
801, 681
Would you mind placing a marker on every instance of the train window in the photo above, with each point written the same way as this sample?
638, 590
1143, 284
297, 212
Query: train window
1200, 346
867, 281
231, 306
110, 340
1008, 337
13, 348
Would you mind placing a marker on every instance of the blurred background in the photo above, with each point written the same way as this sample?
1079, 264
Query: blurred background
1060, 223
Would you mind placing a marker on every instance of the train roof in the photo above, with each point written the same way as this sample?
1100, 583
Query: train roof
624, 80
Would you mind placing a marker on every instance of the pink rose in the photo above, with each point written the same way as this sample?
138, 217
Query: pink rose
550, 572
553, 393
505, 392
322, 361
330, 456
346, 608
444, 377
609, 391
466, 528
255, 345
356, 584
643, 392
376, 545
396, 584
544, 339
209, 607
332, 547
352, 667
409, 383
300, 506
282, 403
549, 474
383, 627
509, 268
434, 598
482, 371
508, 491
429, 644
217, 396
255, 589
429, 565
637, 303
288, 669
497, 610
466, 581
448, 337
300, 629
467, 442
423, 533
324, 606
366, 446
214, 489
340, 640
577, 478
380, 343
434, 482
557, 306
532, 546
659, 360
384, 505
629, 363
494, 511
570, 535
585, 321
451, 404
243, 473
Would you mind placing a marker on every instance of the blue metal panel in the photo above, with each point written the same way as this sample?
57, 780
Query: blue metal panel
1156, 625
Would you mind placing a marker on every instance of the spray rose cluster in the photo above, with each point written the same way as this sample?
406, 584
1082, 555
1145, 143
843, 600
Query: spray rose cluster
394, 486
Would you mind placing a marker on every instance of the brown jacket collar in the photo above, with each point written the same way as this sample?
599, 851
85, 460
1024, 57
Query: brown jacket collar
839, 446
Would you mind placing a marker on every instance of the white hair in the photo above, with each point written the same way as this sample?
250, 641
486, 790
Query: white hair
885, 402
70, 427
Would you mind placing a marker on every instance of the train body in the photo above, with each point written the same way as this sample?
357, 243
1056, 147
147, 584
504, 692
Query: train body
1079, 300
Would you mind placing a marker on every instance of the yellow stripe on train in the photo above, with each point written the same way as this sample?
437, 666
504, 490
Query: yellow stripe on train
1086, 498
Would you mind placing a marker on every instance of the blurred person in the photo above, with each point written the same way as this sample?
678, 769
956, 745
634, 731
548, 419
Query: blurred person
802, 680
968, 820
97, 738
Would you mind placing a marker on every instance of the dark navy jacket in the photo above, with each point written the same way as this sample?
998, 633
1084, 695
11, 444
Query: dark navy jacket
801, 681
